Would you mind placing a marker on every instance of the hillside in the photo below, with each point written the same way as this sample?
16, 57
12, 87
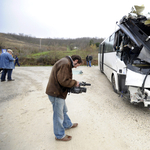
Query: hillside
46, 51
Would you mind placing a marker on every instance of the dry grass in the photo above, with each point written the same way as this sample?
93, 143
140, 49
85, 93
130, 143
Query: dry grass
32, 54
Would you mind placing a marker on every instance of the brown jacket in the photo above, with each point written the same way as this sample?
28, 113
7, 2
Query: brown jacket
61, 78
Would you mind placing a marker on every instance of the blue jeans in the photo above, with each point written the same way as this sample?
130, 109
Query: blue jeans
89, 63
16, 62
61, 120
8, 72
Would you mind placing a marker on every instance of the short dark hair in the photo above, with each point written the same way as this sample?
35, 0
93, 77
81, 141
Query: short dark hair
76, 57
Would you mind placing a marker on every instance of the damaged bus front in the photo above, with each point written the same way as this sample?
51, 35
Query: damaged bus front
124, 57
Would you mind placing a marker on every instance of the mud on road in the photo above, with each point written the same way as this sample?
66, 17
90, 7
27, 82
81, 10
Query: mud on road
106, 121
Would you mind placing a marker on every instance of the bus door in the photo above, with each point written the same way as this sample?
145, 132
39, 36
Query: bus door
102, 58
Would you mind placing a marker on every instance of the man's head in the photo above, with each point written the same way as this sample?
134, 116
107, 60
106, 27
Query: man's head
76, 60
10, 51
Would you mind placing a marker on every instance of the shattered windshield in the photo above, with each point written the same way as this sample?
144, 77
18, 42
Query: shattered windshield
132, 42
137, 58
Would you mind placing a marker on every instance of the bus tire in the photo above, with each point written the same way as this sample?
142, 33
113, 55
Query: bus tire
113, 82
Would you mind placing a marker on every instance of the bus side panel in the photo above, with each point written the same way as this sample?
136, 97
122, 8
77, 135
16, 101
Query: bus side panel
116, 79
109, 64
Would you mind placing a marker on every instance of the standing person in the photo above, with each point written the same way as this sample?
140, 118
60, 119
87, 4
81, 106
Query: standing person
1, 68
87, 60
17, 61
57, 88
90, 60
7, 64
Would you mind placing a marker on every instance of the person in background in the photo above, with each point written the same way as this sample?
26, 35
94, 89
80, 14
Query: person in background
87, 60
17, 61
1, 69
7, 64
57, 88
90, 60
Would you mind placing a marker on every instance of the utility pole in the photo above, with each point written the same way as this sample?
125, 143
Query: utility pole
40, 43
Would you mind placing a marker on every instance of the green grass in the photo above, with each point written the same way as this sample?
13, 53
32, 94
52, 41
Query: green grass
39, 54
53, 53
60, 54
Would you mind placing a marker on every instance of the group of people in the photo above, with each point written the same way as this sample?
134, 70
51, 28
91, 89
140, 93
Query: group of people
89, 60
60, 81
7, 65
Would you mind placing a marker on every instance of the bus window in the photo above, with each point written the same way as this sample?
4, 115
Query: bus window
109, 44
99, 50
112, 37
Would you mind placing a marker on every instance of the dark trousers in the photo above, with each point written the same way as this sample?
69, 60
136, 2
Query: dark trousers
16, 62
8, 72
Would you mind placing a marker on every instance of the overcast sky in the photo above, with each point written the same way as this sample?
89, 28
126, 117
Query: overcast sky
64, 18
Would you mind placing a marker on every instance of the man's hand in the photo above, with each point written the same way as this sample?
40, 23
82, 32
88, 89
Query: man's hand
77, 85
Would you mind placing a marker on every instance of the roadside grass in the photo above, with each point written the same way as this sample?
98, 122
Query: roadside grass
58, 54
37, 55
47, 58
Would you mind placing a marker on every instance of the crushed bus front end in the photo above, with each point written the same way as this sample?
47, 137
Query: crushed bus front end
132, 45
139, 87
124, 57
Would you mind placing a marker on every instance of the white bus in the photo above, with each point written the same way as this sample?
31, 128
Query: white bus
124, 57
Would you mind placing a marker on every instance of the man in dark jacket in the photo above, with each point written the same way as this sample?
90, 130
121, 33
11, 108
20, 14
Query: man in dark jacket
87, 60
57, 88
17, 61
90, 60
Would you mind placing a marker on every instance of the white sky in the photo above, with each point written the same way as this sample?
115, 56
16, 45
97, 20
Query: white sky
64, 18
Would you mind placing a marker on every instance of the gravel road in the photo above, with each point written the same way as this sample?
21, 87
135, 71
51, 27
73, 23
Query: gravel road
106, 121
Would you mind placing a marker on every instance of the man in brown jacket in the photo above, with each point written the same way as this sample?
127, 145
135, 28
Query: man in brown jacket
57, 88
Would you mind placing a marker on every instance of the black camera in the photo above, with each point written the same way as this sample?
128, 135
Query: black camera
77, 90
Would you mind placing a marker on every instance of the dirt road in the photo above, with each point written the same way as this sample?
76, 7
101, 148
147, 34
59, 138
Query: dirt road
106, 122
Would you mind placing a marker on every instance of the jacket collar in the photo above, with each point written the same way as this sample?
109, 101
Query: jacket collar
70, 60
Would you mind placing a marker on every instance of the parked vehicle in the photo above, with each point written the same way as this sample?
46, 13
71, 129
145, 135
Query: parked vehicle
124, 57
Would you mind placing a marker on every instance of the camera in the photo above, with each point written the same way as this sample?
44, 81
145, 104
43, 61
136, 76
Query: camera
77, 90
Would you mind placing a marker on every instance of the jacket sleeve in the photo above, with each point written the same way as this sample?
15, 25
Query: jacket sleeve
10, 58
0, 62
64, 77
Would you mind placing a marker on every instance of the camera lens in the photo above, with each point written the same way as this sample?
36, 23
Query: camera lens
83, 89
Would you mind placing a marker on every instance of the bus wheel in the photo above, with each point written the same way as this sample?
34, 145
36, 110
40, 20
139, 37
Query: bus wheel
113, 82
